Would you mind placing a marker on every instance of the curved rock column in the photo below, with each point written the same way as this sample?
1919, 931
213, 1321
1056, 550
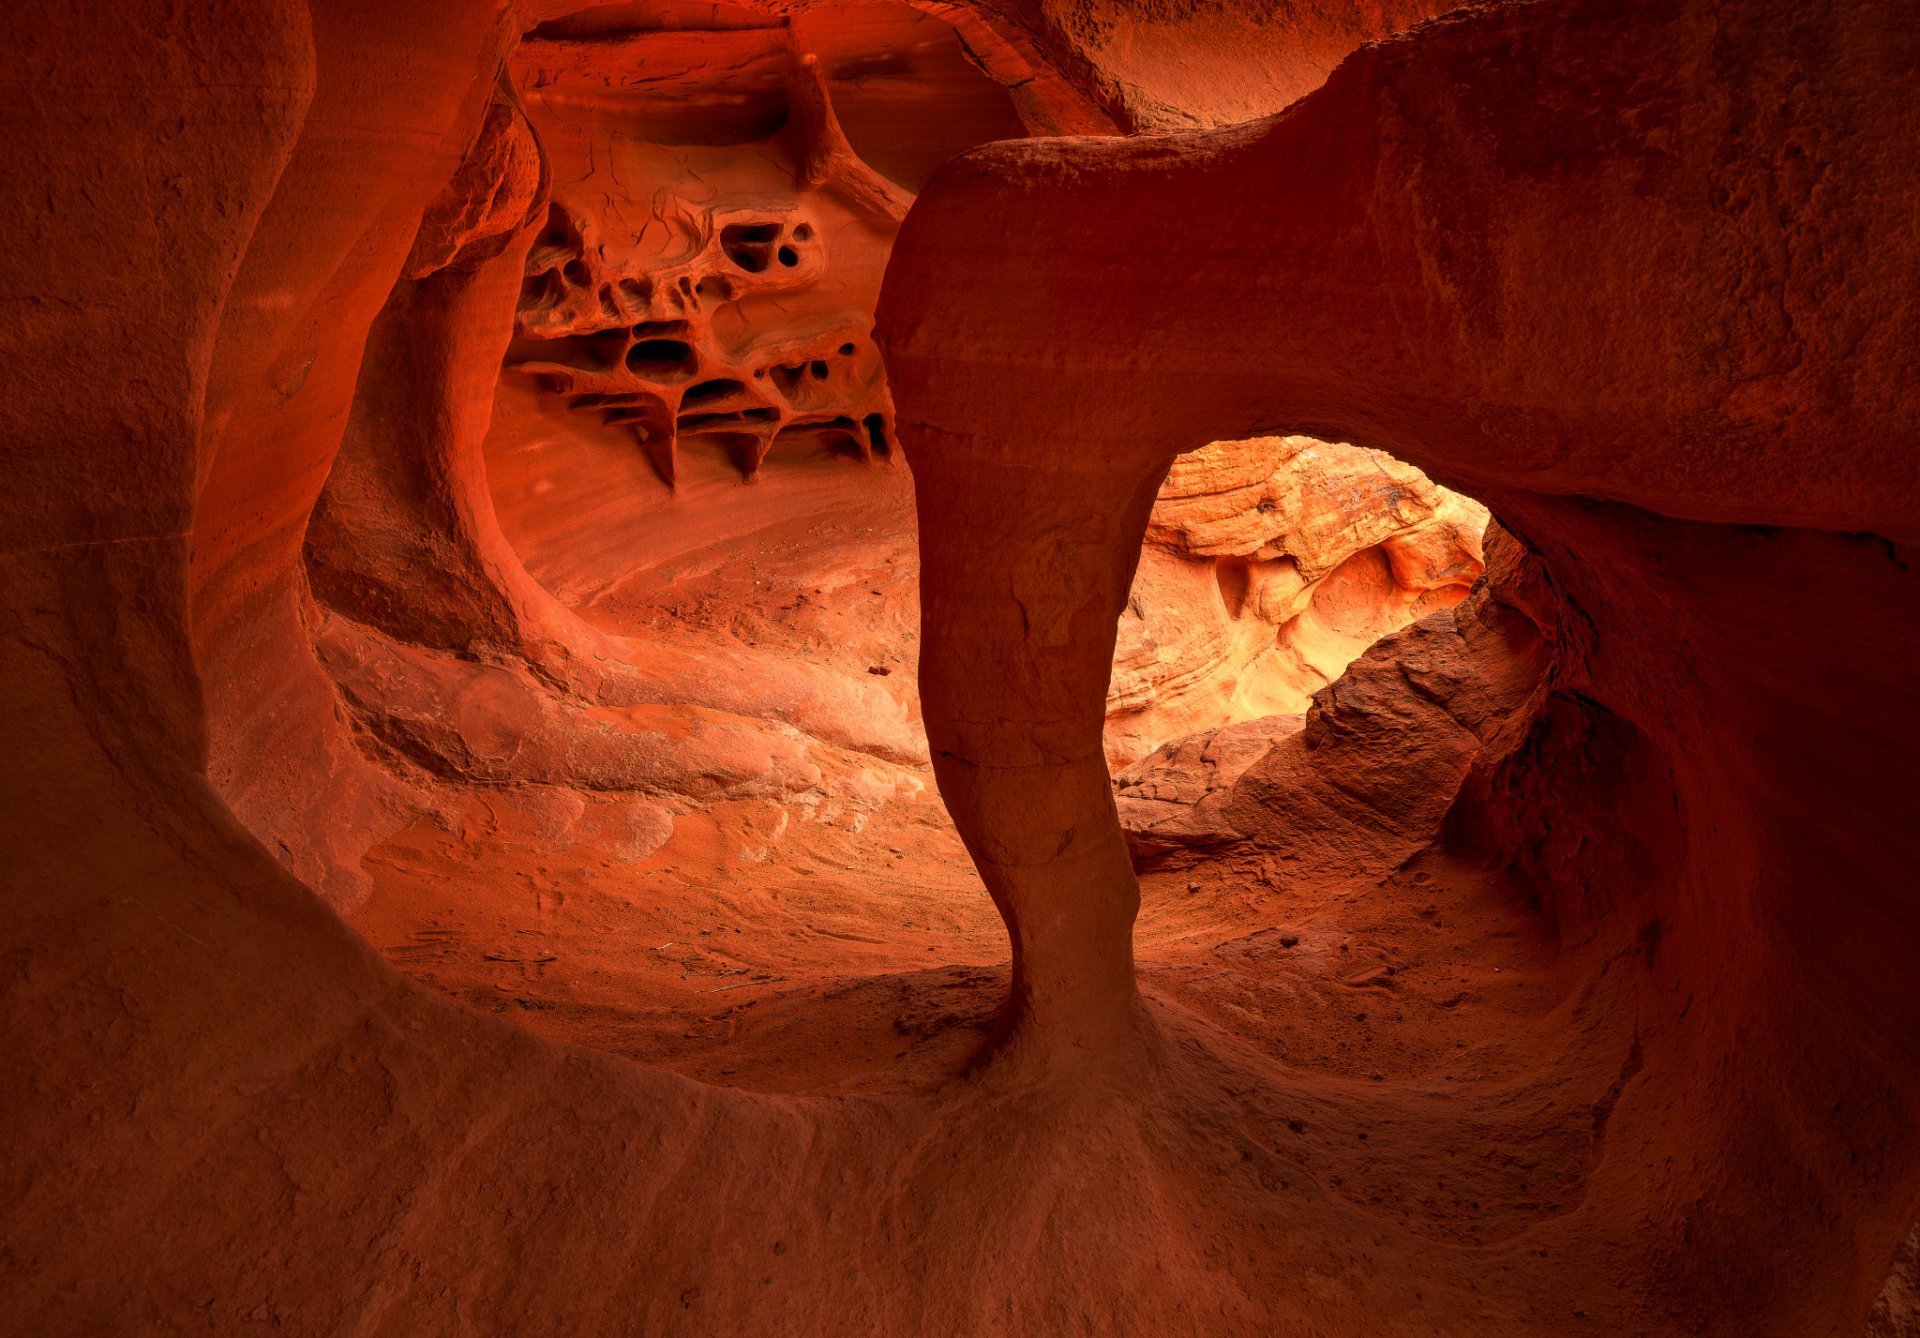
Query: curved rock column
1024, 571
1666, 339
284, 366
404, 535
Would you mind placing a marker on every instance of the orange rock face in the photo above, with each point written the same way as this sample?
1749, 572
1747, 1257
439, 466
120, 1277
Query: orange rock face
716, 669
727, 292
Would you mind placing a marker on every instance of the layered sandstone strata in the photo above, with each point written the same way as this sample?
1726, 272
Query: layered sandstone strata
1268, 566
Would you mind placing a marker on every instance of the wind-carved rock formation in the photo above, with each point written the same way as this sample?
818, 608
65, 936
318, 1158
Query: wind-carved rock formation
637, 343
661, 222
1268, 566
1366, 777
681, 297
1692, 801
1647, 293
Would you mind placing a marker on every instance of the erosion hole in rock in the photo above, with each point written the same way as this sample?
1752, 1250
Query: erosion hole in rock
1298, 643
737, 804
660, 358
1270, 565
750, 245
707, 392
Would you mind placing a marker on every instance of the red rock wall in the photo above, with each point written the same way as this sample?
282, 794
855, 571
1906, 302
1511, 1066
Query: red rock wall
665, 230
1156, 66
1603, 302
1644, 289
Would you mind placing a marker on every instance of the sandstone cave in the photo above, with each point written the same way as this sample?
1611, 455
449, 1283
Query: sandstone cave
1019, 667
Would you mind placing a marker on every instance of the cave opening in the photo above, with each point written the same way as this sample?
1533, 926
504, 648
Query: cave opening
692, 461
689, 459
644, 668
1268, 566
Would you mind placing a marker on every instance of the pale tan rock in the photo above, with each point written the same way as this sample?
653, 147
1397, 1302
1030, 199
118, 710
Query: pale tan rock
1270, 564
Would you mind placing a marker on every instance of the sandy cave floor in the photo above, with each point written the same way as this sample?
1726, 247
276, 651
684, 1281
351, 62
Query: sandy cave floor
874, 959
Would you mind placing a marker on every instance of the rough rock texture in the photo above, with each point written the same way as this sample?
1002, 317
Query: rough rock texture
1648, 294
1897, 1313
1175, 796
1609, 307
1365, 778
670, 233
1159, 65
714, 248
1268, 566
660, 322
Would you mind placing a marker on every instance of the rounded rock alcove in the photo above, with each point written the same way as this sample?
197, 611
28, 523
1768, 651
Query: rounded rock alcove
661, 707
